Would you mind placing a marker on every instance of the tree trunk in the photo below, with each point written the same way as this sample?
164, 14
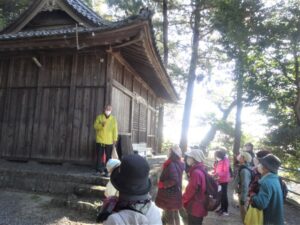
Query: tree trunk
297, 82
165, 32
239, 106
166, 56
191, 77
209, 137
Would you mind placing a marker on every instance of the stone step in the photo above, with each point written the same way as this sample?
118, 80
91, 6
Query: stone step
86, 190
90, 205
54, 179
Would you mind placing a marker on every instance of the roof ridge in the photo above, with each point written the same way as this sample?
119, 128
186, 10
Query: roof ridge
84, 7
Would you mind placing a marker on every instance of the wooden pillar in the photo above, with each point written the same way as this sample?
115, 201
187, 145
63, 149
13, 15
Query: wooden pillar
160, 128
109, 79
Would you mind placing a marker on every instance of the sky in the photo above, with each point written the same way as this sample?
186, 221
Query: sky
253, 122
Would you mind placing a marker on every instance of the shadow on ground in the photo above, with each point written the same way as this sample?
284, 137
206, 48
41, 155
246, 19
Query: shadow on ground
20, 208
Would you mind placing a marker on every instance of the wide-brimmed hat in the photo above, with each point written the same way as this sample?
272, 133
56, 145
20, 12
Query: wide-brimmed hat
112, 164
246, 155
270, 162
132, 177
196, 154
177, 151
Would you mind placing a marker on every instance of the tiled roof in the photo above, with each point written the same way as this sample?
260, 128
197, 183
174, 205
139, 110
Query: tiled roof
43, 33
64, 31
86, 12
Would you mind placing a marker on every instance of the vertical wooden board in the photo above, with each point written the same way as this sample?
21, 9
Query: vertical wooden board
80, 69
135, 125
126, 113
144, 93
75, 145
53, 70
71, 105
91, 69
86, 104
4, 68
149, 124
24, 121
88, 101
2, 104
86, 76
118, 70
67, 71
25, 73
57, 70
17, 136
97, 101
63, 123
5, 125
46, 73
30, 73
128, 79
59, 118
143, 123
9, 132
44, 124
136, 86
51, 124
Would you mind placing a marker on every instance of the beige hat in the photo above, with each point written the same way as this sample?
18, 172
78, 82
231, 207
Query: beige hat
176, 149
196, 154
246, 155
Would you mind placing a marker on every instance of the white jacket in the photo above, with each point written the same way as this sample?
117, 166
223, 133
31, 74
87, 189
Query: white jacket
110, 190
130, 217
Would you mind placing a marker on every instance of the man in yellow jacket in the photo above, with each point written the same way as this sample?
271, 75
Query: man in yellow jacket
106, 128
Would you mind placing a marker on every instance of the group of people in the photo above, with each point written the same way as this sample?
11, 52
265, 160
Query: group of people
258, 185
129, 202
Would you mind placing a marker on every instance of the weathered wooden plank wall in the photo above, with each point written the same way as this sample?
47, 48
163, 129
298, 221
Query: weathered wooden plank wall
134, 106
47, 113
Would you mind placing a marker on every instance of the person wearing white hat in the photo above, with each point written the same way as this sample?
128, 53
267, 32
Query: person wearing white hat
110, 166
169, 195
194, 195
242, 181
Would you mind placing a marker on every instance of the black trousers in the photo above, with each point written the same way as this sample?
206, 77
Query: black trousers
192, 220
101, 148
224, 197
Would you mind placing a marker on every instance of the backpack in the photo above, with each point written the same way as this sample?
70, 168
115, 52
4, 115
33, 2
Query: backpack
284, 188
249, 169
212, 193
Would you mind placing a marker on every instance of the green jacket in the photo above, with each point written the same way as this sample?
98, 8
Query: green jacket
242, 182
106, 129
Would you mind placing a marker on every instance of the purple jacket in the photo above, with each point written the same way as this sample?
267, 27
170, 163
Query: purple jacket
194, 196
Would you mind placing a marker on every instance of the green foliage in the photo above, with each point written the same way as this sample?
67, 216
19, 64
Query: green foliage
166, 145
130, 7
237, 21
10, 9
274, 77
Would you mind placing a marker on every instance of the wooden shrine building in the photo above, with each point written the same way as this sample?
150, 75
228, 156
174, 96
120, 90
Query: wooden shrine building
60, 63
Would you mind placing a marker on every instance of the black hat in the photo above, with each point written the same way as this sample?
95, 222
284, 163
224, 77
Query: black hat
132, 177
270, 162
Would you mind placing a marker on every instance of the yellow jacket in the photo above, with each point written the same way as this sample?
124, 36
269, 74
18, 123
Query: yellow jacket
106, 129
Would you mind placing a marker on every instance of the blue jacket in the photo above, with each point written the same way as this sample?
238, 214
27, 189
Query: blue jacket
270, 199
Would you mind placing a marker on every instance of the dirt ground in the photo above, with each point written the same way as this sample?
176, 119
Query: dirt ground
20, 208
17, 208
